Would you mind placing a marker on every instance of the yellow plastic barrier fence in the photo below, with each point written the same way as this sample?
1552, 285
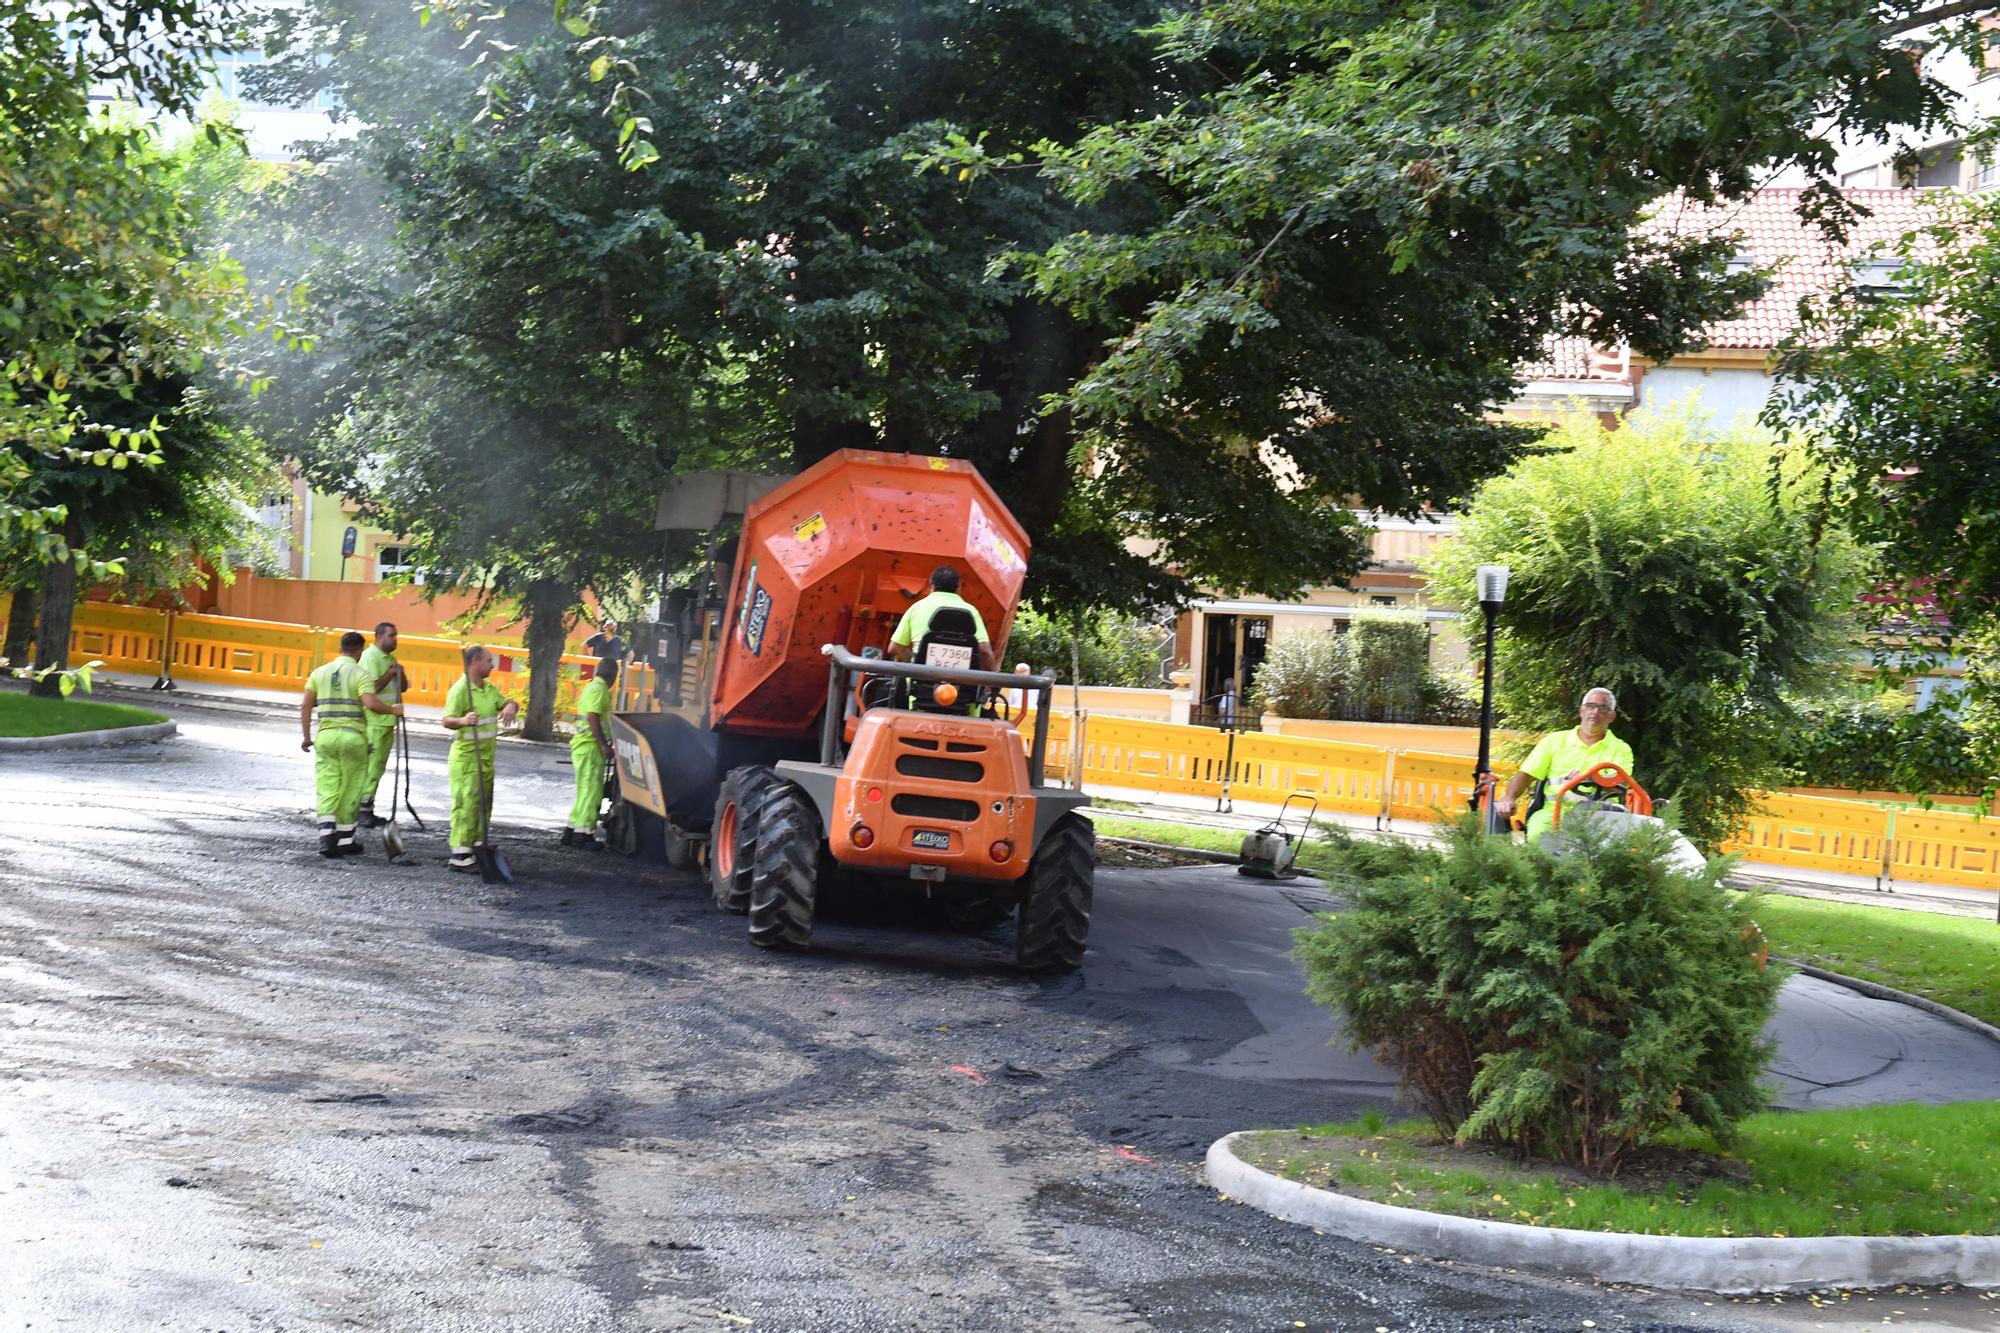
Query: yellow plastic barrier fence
1814, 833
268, 655
1423, 783
1341, 776
1155, 756
1932, 847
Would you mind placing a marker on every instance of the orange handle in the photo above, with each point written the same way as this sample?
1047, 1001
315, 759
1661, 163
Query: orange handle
1604, 775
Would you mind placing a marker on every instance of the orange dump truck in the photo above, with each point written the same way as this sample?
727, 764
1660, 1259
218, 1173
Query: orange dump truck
784, 749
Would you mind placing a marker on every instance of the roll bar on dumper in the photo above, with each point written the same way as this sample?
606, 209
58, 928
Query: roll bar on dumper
781, 785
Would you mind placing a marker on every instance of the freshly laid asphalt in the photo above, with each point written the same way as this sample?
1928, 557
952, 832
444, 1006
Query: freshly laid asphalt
243, 1087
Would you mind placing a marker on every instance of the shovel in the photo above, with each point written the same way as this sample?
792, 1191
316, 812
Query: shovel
493, 867
399, 790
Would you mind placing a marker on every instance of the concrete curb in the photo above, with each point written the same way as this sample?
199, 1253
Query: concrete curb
1194, 853
1877, 991
1726, 1265
89, 740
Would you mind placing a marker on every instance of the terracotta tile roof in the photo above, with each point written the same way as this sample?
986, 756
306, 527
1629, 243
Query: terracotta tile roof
1773, 235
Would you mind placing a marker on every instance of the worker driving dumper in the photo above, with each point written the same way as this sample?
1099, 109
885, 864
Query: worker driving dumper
916, 622
1562, 755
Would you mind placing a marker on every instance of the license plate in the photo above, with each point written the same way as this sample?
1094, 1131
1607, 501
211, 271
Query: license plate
932, 839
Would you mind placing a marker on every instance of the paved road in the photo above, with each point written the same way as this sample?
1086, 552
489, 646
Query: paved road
242, 1087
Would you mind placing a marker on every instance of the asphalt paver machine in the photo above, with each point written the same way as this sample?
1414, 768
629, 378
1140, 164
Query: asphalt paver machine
787, 751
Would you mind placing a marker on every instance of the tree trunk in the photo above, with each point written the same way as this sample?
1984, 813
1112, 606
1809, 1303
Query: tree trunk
548, 609
20, 624
58, 609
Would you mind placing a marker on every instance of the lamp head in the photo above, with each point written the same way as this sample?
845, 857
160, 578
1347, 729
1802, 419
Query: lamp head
1492, 580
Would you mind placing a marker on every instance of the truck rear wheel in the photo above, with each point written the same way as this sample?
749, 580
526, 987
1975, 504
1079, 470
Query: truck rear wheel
784, 887
732, 845
1055, 914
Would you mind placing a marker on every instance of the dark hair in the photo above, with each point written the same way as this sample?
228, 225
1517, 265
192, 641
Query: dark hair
386, 627
607, 669
352, 641
470, 654
944, 578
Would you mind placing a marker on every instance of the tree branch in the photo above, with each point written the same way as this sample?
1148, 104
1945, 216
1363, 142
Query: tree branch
1937, 14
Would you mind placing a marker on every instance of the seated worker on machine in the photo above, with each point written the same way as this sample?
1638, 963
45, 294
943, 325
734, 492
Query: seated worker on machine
1562, 755
907, 642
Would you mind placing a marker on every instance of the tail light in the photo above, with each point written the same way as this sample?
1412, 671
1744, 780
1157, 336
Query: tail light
861, 836
1000, 850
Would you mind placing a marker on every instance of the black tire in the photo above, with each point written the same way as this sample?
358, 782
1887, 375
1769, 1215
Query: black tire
976, 916
744, 791
1055, 914
678, 849
784, 888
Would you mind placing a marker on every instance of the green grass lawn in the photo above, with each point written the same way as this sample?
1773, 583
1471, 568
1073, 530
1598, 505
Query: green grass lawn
21, 715
1315, 854
1954, 960
1881, 1170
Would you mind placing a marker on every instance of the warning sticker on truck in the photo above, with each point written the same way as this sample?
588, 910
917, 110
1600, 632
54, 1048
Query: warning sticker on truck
811, 528
753, 624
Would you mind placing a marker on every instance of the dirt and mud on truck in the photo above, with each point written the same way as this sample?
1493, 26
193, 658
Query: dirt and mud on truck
783, 750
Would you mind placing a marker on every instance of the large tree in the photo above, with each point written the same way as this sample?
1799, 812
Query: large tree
1187, 284
1695, 577
1903, 394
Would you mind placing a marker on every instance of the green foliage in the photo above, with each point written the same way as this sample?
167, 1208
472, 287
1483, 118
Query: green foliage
1695, 577
1378, 671
1112, 648
1903, 394
67, 681
1567, 1007
1884, 746
97, 287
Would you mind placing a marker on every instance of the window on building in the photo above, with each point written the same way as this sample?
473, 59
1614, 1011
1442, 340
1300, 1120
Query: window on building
1989, 57
396, 560
1987, 176
1942, 167
1878, 279
1381, 599
1866, 178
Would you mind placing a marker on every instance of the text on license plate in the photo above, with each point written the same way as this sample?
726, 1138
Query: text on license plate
931, 838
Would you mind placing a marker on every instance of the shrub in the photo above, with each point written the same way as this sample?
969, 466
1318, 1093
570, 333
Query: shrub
1875, 747
1568, 1007
1388, 658
1112, 649
1303, 675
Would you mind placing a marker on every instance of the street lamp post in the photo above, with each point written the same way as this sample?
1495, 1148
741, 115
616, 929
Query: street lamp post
1492, 581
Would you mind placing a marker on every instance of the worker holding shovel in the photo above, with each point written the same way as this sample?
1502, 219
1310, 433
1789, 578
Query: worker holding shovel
474, 709
382, 683
589, 751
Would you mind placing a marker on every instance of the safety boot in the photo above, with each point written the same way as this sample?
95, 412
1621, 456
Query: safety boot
329, 845
350, 845
568, 836
588, 842
369, 819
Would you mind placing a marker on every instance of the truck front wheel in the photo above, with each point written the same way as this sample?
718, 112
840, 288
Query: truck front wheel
784, 883
732, 844
1055, 913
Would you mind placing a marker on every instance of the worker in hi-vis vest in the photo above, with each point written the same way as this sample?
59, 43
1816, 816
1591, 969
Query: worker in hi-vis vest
589, 751
382, 682
339, 747
474, 708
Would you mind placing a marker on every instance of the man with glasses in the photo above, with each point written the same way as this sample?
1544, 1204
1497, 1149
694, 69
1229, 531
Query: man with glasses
1562, 755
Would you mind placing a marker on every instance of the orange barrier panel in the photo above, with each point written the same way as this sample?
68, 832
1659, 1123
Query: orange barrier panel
1340, 775
1155, 756
1931, 847
1424, 785
1814, 833
124, 638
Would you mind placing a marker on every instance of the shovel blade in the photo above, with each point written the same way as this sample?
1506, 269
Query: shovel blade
493, 867
392, 840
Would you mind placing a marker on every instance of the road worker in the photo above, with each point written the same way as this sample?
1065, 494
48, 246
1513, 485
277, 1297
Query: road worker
382, 684
1562, 755
340, 748
589, 751
916, 621
474, 708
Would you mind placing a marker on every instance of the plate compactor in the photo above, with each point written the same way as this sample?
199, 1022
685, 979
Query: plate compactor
784, 749
1272, 851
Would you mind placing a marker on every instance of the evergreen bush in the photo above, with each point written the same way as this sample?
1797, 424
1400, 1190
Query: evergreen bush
1302, 675
1568, 1008
1388, 656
